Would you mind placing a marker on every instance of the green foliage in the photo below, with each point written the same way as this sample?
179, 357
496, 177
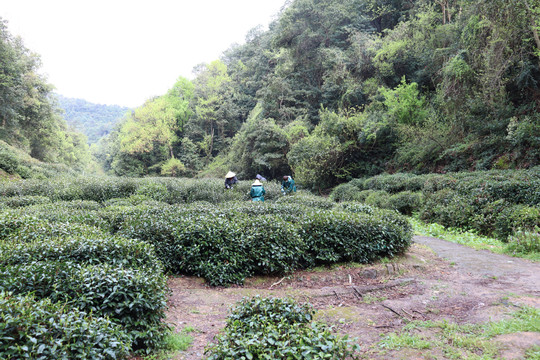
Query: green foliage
21, 201
345, 192
272, 328
133, 298
82, 250
260, 147
406, 202
524, 241
335, 236
380, 199
173, 167
405, 104
495, 202
41, 329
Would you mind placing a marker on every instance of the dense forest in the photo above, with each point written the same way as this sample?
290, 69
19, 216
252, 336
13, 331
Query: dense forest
333, 90
93, 120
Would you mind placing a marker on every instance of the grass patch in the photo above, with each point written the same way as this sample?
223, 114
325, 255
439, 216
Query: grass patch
469, 341
174, 343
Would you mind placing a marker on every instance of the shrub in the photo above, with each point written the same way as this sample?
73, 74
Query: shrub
270, 328
222, 247
524, 242
394, 183
8, 161
22, 201
355, 207
448, 209
380, 199
332, 237
82, 250
344, 192
306, 199
406, 202
517, 217
273, 246
153, 190
45, 330
133, 298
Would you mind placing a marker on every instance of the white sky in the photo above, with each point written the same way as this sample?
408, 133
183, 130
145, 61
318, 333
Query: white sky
125, 51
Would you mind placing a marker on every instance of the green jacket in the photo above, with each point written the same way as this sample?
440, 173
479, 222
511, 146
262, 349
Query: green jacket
288, 186
257, 193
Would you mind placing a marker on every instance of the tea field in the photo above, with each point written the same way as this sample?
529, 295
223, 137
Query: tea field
84, 261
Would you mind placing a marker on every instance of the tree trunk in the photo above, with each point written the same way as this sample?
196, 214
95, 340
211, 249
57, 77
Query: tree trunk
533, 27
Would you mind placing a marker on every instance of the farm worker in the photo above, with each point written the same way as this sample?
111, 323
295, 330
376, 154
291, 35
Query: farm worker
287, 185
257, 191
260, 177
230, 180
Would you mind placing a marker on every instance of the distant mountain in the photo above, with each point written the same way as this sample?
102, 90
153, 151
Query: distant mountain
94, 120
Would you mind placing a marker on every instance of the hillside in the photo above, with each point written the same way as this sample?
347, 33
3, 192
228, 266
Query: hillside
93, 120
340, 89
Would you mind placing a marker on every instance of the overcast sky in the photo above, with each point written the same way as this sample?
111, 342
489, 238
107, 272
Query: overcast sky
126, 51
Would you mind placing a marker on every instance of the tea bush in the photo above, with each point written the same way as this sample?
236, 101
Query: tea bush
517, 217
132, 298
345, 192
488, 202
332, 237
272, 328
22, 201
406, 202
222, 247
355, 207
448, 208
83, 250
306, 199
226, 243
380, 199
41, 329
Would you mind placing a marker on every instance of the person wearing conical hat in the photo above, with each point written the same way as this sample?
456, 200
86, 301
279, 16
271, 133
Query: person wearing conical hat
230, 180
287, 185
257, 191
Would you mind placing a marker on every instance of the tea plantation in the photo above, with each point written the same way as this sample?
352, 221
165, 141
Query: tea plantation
495, 203
84, 260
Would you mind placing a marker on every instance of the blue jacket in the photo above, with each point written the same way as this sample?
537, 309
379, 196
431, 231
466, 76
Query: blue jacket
288, 186
257, 193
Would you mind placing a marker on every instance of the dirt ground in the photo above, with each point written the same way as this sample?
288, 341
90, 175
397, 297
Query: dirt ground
435, 280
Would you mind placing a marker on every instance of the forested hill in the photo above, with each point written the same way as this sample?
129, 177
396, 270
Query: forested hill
93, 120
29, 118
338, 89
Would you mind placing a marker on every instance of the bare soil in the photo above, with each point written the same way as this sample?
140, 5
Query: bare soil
369, 301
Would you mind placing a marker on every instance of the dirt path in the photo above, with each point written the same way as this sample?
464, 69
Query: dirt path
435, 280
514, 272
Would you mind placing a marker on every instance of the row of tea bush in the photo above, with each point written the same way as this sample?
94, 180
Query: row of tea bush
222, 243
106, 293
493, 203
101, 189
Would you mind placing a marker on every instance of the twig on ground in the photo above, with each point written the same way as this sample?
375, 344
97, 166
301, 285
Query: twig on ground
278, 282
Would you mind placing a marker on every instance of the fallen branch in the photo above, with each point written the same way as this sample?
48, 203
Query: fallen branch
277, 283
365, 289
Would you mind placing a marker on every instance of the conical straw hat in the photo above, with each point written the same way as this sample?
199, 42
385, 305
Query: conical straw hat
230, 174
256, 183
